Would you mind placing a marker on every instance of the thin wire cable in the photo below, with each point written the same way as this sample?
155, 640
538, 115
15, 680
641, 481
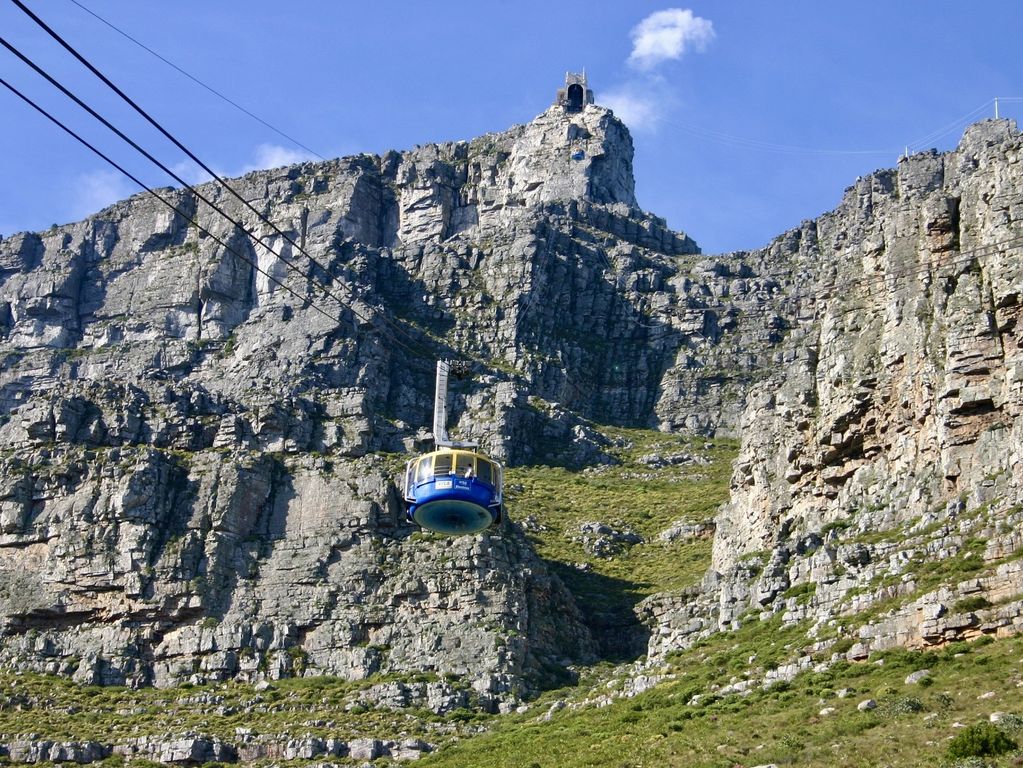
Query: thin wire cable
766, 145
290, 264
753, 143
746, 374
199, 82
190, 218
223, 182
95, 71
937, 134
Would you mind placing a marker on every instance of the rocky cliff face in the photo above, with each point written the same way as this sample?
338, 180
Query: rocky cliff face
198, 467
904, 393
881, 464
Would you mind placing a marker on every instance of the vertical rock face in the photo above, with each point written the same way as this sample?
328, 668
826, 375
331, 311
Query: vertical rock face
199, 444
191, 481
904, 393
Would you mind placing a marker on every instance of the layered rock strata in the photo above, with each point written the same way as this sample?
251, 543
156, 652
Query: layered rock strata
883, 458
201, 444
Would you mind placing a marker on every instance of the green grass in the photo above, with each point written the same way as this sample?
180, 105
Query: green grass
57, 708
629, 495
911, 727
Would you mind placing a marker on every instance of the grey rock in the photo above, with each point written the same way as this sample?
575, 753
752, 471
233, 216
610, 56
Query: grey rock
682, 530
197, 474
602, 540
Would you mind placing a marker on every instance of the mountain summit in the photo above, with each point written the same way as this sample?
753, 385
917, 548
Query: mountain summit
205, 417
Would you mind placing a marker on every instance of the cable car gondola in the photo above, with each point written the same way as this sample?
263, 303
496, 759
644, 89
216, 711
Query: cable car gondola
454, 489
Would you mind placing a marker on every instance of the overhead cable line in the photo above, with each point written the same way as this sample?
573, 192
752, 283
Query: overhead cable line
290, 264
217, 177
937, 134
190, 218
286, 237
199, 82
767, 146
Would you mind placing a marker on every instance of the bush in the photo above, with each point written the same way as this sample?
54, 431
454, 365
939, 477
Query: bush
901, 705
980, 740
969, 762
970, 604
1011, 723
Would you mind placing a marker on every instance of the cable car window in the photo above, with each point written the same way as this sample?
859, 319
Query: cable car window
464, 464
442, 464
485, 471
426, 470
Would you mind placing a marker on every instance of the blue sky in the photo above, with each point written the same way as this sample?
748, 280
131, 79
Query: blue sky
748, 117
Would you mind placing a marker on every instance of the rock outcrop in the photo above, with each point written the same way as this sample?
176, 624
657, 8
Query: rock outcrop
903, 393
204, 420
883, 458
200, 443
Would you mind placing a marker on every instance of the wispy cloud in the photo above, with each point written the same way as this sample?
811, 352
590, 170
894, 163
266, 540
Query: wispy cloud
91, 192
275, 156
642, 101
635, 104
666, 35
190, 171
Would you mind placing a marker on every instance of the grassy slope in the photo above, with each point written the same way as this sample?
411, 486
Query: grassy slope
628, 495
63, 710
780, 725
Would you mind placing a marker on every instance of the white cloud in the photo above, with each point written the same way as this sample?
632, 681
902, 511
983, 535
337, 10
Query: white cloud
668, 34
274, 156
91, 192
190, 171
635, 106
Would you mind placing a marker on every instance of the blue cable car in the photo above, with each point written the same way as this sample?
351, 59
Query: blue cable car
454, 492
454, 489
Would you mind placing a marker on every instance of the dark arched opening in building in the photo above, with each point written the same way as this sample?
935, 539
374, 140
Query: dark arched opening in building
575, 97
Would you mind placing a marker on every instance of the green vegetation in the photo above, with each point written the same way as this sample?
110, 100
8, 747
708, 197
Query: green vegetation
627, 496
711, 707
787, 724
980, 740
801, 592
687, 720
975, 603
321, 706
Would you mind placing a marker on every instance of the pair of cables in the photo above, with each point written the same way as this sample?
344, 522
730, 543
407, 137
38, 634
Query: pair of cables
360, 309
389, 328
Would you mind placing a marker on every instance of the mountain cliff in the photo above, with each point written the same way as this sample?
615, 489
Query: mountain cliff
201, 446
